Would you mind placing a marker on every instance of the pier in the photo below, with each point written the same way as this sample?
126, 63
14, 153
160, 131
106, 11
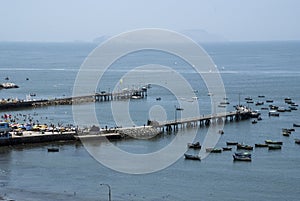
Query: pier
204, 120
96, 97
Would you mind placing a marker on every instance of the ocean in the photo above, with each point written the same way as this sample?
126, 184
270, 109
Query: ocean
49, 70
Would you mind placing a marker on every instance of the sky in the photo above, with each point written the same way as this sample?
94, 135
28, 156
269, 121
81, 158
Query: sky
85, 20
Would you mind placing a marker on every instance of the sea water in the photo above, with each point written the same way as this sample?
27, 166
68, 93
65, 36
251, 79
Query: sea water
271, 69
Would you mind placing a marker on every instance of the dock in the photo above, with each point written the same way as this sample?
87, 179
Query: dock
204, 120
96, 97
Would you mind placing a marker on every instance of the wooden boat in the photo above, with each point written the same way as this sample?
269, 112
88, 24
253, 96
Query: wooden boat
213, 150
243, 154
191, 157
231, 143
269, 101
259, 103
254, 122
273, 147
227, 148
195, 145
273, 113
281, 109
53, 149
286, 134
261, 145
264, 108
273, 142
297, 141
242, 157
296, 125
245, 147
288, 130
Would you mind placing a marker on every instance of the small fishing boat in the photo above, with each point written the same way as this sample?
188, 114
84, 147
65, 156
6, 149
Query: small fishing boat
273, 142
195, 145
242, 156
297, 141
269, 101
231, 143
273, 147
286, 134
227, 148
261, 96
281, 109
261, 145
191, 157
245, 147
53, 149
213, 150
273, 113
264, 108
259, 103
296, 125
158, 98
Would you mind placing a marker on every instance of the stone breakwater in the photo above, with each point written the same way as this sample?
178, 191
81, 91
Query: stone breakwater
143, 132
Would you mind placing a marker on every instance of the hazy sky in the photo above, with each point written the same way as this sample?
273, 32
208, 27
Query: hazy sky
69, 20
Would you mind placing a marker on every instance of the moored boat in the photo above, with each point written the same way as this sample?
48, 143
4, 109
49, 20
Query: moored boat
296, 125
261, 145
227, 148
53, 149
213, 150
191, 157
195, 145
231, 143
273, 142
245, 147
297, 141
242, 156
273, 147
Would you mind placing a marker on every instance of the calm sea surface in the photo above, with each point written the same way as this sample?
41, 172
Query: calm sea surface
271, 69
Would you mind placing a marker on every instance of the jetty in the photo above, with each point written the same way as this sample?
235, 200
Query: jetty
205, 120
96, 97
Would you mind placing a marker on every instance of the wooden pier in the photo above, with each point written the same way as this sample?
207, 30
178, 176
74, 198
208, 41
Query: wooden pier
204, 120
97, 97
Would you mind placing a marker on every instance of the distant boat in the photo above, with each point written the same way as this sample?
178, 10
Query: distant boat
261, 145
231, 143
254, 122
273, 113
242, 156
191, 157
297, 141
53, 149
273, 142
281, 109
261, 96
269, 101
227, 148
296, 125
213, 150
158, 98
272, 147
195, 145
245, 147
259, 103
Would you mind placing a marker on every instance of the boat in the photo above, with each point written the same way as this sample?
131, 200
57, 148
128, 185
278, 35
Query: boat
259, 103
227, 148
213, 150
273, 107
281, 109
293, 107
158, 98
296, 125
221, 132
254, 114
288, 130
297, 141
294, 104
261, 145
222, 106
53, 149
272, 147
259, 118
273, 113
231, 143
250, 101
242, 156
273, 142
224, 103
261, 96
191, 157
264, 108
195, 145
248, 98
254, 122
242, 146
286, 134
269, 101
